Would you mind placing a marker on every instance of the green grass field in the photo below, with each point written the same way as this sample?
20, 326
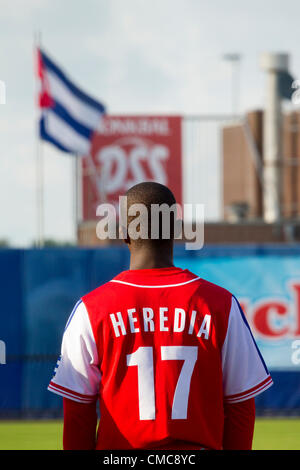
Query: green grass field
270, 434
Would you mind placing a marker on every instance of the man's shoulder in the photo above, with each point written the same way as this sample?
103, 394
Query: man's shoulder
215, 289
99, 292
214, 294
110, 290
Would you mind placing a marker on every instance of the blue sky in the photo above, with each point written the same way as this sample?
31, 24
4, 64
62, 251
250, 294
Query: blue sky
136, 56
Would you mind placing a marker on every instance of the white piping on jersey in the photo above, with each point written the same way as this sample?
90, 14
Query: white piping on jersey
155, 287
257, 390
72, 313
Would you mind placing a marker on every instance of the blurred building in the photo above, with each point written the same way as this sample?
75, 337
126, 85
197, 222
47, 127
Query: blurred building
241, 176
245, 231
243, 164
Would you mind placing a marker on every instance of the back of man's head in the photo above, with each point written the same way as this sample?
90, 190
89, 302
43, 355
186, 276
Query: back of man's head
151, 212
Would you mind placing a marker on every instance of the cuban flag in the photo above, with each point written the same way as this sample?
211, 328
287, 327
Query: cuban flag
69, 116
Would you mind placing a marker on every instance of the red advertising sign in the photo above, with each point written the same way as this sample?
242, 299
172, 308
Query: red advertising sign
127, 150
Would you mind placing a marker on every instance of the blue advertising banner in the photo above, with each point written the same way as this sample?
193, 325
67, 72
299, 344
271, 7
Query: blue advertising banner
267, 285
39, 288
11, 335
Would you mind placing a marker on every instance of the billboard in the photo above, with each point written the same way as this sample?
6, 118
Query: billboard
267, 286
40, 287
127, 150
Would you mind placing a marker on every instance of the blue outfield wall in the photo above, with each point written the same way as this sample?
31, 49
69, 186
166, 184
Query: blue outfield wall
40, 287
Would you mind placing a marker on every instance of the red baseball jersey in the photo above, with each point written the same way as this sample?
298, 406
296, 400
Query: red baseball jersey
162, 350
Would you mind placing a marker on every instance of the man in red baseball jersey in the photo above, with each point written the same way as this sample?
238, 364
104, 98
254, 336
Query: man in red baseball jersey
169, 356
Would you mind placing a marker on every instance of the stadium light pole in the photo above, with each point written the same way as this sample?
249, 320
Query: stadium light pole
234, 59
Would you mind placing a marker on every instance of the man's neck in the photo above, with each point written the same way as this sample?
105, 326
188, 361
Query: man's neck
144, 259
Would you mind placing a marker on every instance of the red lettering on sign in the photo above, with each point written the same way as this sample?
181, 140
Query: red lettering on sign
296, 288
262, 321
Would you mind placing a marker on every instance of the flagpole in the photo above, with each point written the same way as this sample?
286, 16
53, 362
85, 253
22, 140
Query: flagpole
40, 191
39, 162
76, 194
79, 190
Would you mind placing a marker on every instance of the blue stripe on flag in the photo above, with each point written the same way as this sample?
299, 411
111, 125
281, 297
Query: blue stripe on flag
73, 88
45, 136
61, 112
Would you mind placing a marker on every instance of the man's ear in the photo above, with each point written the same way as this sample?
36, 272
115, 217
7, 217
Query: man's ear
123, 234
179, 228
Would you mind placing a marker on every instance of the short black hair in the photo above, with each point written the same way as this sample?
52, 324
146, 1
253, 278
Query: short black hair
150, 193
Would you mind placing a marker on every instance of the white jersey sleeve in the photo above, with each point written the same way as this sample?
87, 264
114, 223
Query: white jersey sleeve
245, 374
77, 375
